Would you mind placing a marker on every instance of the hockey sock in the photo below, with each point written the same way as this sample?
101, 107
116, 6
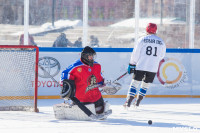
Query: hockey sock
143, 89
132, 91
142, 92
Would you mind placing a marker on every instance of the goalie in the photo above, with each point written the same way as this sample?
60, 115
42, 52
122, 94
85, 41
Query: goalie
84, 73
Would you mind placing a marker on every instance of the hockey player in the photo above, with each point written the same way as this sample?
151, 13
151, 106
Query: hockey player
144, 62
83, 73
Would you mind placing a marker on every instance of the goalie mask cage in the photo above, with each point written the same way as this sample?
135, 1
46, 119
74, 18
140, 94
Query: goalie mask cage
18, 78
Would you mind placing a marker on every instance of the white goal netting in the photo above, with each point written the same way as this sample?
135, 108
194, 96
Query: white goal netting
18, 75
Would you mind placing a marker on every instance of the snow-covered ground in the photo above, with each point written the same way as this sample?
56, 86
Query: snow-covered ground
169, 115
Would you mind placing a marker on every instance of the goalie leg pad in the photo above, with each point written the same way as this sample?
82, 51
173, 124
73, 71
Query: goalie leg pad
72, 112
65, 111
99, 106
107, 110
106, 106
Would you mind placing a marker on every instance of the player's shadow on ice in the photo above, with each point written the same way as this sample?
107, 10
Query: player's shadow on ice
113, 121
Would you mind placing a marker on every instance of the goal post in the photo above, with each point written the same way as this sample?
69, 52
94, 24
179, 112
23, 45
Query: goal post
18, 77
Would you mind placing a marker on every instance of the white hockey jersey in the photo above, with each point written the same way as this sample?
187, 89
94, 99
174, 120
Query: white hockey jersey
148, 52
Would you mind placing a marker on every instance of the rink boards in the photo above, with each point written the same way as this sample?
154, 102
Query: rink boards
178, 73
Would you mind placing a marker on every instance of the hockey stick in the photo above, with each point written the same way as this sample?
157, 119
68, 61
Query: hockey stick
120, 77
74, 99
108, 83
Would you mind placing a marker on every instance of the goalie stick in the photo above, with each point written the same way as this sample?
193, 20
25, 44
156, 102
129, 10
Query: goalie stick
74, 99
108, 83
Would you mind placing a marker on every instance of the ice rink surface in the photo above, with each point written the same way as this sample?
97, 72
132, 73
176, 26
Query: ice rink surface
169, 115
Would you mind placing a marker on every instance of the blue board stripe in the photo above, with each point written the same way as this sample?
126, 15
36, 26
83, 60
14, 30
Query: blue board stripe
169, 50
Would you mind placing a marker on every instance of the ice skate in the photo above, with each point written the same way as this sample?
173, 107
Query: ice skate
135, 106
127, 104
137, 102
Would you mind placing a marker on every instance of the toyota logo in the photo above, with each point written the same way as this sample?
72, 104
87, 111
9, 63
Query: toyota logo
51, 65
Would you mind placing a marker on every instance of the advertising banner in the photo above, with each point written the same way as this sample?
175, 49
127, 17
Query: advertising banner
177, 74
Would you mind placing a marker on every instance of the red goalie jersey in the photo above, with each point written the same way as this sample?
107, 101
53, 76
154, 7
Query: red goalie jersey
84, 76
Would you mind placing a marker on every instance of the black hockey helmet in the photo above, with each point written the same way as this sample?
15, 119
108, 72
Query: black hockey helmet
88, 55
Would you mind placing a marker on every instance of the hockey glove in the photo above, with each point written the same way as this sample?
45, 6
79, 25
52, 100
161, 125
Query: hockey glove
131, 68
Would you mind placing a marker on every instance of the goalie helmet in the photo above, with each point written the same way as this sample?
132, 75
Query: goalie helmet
151, 28
88, 56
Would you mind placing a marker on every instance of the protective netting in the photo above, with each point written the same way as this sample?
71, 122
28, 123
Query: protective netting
17, 78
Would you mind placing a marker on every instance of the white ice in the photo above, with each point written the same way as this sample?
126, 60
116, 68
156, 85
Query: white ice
169, 115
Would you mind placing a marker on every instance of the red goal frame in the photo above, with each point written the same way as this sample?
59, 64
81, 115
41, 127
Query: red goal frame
36, 67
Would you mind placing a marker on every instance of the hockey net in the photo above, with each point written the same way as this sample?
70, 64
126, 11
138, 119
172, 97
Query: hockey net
18, 78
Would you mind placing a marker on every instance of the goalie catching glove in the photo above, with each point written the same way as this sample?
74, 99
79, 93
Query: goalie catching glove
68, 89
111, 88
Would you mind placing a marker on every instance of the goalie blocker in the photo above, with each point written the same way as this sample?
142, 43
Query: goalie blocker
68, 89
